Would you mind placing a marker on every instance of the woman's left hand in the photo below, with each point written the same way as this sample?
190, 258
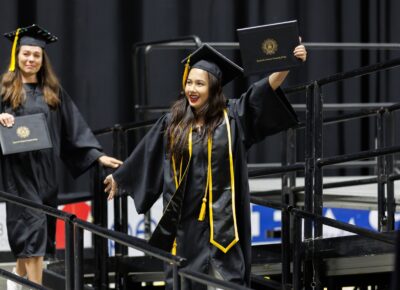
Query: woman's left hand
108, 161
111, 186
300, 52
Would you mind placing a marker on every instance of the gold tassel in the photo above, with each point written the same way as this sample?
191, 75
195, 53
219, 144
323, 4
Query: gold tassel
13, 51
202, 214
185, 73
173, 251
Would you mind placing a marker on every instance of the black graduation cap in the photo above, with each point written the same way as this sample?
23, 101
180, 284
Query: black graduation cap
32, 35
209, 59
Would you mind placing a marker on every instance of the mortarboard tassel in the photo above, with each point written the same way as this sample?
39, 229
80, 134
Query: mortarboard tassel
185, 73
173, 251
13, 51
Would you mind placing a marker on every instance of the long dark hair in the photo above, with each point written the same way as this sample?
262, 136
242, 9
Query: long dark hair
12, 90
183, 117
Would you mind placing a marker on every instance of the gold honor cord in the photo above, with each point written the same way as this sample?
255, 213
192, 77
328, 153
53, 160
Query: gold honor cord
178, 182
209, 187
236, 239
13, 51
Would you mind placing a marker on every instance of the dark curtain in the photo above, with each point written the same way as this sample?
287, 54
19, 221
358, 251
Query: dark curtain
93, 56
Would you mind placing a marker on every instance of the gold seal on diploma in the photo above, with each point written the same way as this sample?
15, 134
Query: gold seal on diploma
269, 46
23, 132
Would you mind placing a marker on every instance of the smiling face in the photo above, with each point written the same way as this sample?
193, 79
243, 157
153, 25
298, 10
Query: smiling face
30, 60
197, 88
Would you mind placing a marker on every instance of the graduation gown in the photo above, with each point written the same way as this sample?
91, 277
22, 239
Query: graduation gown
32, 175
148, 172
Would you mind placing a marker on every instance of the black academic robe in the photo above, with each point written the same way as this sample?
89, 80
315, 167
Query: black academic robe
32, 175
147, 173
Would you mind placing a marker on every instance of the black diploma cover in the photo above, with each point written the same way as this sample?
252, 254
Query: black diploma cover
28, 133
269, 48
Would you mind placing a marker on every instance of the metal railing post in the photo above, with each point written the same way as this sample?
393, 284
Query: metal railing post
309, 175
285, 217
79, 258
391, 205
119, 209
318, 149
99, 218
318, 191
175, 278
69, 256
297, 252
380, 143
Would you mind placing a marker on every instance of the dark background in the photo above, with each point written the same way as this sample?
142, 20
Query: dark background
93, 57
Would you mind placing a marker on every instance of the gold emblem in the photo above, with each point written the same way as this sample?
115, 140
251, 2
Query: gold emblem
23, 132
269, 46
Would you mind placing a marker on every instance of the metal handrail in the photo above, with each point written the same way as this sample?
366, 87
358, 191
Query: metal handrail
71, 219
125, 126
20, 280
343, 226
364, 70
282, 169
311, 45
130, 241
36, 206
326, 221
356, 156
211, 281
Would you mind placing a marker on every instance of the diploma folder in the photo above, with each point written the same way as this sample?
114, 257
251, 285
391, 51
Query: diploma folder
269, 48
29, 133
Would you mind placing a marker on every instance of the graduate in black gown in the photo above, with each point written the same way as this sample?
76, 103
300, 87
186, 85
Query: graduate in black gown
29, 87
196, 157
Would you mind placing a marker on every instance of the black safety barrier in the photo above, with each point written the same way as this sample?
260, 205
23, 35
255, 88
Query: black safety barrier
66, 217
74, 249
313, 188
20, 280
74, 258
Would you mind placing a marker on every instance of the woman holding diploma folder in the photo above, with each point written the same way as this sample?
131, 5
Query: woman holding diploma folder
29, 87
196, 156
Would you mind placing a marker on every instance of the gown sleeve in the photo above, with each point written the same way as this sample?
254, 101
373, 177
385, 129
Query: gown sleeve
261, 112
79, 148
141, 174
